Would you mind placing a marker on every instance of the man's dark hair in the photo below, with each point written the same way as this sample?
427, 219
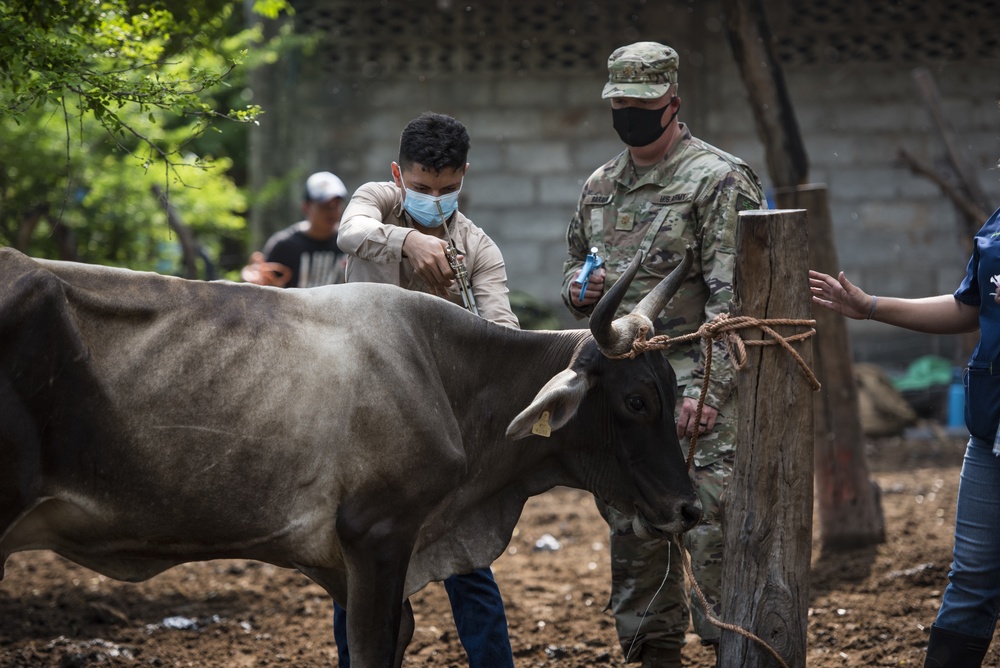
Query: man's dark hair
435, 142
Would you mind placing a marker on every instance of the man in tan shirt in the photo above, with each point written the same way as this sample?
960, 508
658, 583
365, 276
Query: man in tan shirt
394, 233
397, 232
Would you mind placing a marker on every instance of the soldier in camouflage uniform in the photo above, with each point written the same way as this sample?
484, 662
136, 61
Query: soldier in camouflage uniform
666, 191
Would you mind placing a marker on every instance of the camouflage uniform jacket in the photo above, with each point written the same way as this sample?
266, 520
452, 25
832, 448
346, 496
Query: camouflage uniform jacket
690, 198
372, 232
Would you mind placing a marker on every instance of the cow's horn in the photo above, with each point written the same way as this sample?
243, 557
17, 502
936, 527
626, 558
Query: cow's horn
615, 337
653, 304
602, 321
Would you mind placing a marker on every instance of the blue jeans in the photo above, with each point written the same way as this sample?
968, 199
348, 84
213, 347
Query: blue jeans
972, 598
478, 611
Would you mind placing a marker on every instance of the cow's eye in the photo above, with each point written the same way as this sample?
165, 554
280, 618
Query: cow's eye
636, 404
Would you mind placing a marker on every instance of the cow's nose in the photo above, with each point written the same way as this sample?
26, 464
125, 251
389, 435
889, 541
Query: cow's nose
691, 514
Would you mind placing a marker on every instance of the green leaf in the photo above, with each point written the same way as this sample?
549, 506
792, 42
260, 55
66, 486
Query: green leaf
141, 83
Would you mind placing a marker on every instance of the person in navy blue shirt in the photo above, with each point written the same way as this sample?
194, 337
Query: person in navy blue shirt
961, 633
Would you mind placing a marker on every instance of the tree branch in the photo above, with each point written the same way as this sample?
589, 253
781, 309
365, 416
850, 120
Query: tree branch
974, 215
932, 99
188, 244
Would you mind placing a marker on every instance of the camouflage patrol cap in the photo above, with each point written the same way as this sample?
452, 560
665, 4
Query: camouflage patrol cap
643, 70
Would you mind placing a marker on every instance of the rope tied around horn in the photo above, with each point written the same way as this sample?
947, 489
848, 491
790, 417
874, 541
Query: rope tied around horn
726, 328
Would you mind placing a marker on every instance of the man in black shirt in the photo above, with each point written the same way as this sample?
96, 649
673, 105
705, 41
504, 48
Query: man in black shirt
305, 254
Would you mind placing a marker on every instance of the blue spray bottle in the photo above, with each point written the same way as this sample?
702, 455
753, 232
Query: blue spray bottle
956, 400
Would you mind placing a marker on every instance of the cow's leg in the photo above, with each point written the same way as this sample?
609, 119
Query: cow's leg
374, 613
19, 463
406, 627
376, 547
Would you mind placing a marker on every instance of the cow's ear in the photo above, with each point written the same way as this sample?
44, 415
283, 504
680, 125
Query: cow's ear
560, 399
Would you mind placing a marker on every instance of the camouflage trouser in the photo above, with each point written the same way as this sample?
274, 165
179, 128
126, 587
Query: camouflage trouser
638, 566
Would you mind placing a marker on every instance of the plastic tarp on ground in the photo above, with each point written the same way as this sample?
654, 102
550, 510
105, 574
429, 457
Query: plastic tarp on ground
925, 372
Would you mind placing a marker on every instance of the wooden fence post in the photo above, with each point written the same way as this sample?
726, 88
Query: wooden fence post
768, 502
850, 508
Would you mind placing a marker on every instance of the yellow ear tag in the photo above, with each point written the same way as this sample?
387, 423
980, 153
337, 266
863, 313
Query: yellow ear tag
542, 428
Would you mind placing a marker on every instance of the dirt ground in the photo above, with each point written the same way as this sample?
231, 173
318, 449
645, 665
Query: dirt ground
868, 608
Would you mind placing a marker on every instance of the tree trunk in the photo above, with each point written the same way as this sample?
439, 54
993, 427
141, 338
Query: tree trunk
62, 235
189, 247
769, 506
850, 509
754, 50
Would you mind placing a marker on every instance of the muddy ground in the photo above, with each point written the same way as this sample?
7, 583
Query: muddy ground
868, 608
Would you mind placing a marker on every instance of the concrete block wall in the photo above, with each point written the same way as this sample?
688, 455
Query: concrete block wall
896, 232
536, 137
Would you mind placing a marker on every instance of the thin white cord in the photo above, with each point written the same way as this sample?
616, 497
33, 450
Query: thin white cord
670, 552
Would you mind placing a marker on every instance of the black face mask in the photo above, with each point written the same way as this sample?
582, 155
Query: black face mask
640, 127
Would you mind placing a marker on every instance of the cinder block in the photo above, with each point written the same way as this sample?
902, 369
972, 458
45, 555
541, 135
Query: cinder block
386, 123
531, 270
561, 189
901, 280
915, 186
539, 224
378, 158
893, 117
498, 189
486, 155
538, 92
733, 118
589, 155
400, 93
523, 260
538, 157
470, 92
848, 150
586, 91
857, 183
894, 216
576, 123
504, 124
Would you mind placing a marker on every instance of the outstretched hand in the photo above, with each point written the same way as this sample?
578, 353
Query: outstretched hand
840, 295
260, 272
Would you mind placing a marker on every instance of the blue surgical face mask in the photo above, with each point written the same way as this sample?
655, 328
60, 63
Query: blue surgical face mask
424, 208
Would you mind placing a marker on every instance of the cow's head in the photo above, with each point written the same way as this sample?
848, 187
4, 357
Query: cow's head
627, 417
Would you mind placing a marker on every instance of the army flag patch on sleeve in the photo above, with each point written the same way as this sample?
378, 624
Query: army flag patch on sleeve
744, 203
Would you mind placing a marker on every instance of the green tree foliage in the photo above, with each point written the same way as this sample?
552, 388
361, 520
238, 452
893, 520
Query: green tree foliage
107, 212
104, 107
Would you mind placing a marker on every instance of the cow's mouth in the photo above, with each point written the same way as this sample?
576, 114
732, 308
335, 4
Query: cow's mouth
646, 530
684, 518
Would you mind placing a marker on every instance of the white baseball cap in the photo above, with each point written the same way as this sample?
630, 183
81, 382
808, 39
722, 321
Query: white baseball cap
324, 186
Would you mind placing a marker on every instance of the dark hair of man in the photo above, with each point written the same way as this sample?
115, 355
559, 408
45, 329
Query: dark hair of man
435, 142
